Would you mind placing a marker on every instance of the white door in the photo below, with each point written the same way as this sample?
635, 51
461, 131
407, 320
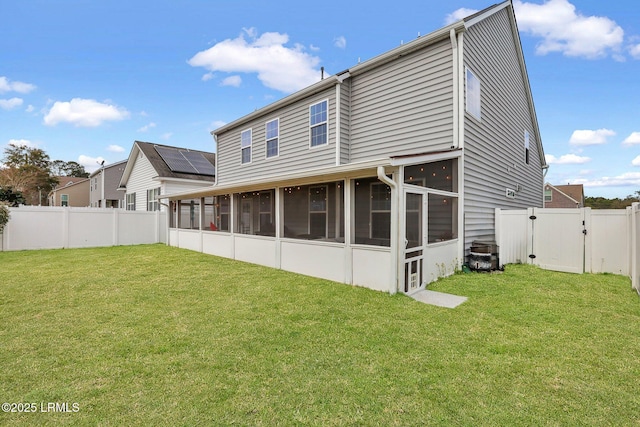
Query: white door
415, 208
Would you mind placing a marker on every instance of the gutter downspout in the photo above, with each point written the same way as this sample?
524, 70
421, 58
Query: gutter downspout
340, 79
395, 205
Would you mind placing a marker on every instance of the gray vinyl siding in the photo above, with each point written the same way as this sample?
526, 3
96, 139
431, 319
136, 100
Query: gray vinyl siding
345, 122
404, 106
112, 177
494, 157
295, 155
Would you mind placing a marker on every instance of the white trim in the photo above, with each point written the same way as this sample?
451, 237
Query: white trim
338, 122
496, 8
473, 98
425, 158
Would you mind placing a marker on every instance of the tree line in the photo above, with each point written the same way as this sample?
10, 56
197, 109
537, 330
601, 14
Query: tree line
27, 175
617, 203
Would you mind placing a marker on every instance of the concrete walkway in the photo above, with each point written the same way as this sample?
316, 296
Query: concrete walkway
438, 298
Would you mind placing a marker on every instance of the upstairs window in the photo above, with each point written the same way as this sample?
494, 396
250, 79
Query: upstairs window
318, 124
245, 145
64, 200
473, 106
273, 134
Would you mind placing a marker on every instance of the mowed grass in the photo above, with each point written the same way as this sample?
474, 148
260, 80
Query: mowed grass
154, 335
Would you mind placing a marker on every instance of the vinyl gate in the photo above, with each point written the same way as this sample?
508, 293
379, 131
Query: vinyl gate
572, 240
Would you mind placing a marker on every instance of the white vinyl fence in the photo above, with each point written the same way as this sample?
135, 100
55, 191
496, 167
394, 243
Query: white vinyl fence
44, 227
572, 240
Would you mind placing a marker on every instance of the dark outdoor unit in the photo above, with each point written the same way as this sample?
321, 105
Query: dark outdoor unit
484, 256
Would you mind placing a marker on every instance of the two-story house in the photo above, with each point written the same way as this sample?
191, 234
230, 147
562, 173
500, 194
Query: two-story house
381, 175
103, 191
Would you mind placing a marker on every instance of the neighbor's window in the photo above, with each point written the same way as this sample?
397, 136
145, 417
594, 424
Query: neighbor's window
64, 200
273, 136
318, 123
442, 218
526, 147
131, 201
152, 201
547, 195
372, 212
245, 145
314, 211
255, 213
473, 95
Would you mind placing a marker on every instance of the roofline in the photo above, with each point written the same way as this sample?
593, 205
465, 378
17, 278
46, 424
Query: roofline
110, 165
440, 34
307, 176
71, 184
562, 192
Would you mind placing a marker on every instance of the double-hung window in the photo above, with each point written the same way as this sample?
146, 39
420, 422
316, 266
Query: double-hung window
131, 201
152, 199
273, 134
245, 145
64, 200
318, 124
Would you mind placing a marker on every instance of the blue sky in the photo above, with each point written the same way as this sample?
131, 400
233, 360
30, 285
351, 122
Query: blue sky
84, 79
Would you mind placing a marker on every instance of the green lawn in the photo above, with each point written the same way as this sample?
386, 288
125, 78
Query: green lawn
153, 335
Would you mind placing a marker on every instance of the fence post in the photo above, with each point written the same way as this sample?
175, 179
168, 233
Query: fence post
586, 217
530, 235
635, 218
116, 226
65, 227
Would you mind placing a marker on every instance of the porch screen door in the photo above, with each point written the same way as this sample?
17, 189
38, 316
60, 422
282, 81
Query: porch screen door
415, 208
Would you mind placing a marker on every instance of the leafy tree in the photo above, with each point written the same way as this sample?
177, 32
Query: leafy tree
10, 197
27, 170
617, 203
62, 168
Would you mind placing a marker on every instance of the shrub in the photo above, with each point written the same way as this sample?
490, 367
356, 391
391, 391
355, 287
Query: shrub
4, 215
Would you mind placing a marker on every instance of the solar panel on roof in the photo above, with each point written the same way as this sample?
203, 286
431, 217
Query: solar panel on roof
199, 162
185, 161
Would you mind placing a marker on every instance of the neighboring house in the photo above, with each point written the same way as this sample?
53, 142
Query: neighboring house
382, 175
154, 169
104, 186
563, 196
71, 191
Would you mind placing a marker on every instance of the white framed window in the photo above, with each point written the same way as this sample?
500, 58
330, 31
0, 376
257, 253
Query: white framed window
152, 201
548, 195
64, 200
318, 124
472, 102
272, 131
131, 201
245, 145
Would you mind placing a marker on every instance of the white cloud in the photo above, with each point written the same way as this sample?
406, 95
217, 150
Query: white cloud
84, 113
632, 139
167, 135
115, 149
627, 179
207, 77
634, 50
30, 109
286, 69
234, 81
590, 137
9, 104
91, 163
566, 31
636, 161
8, 86
458, 14
567, 159
22, 143
340, 42
145, 128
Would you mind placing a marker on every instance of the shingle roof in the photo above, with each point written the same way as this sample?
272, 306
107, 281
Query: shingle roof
164, 171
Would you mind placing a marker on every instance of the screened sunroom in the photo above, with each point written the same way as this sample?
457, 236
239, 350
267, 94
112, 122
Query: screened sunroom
389, 227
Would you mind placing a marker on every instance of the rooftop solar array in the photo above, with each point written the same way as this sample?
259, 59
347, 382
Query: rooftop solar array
186, 161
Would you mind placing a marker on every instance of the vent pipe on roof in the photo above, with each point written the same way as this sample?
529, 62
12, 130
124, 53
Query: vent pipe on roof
321, 73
